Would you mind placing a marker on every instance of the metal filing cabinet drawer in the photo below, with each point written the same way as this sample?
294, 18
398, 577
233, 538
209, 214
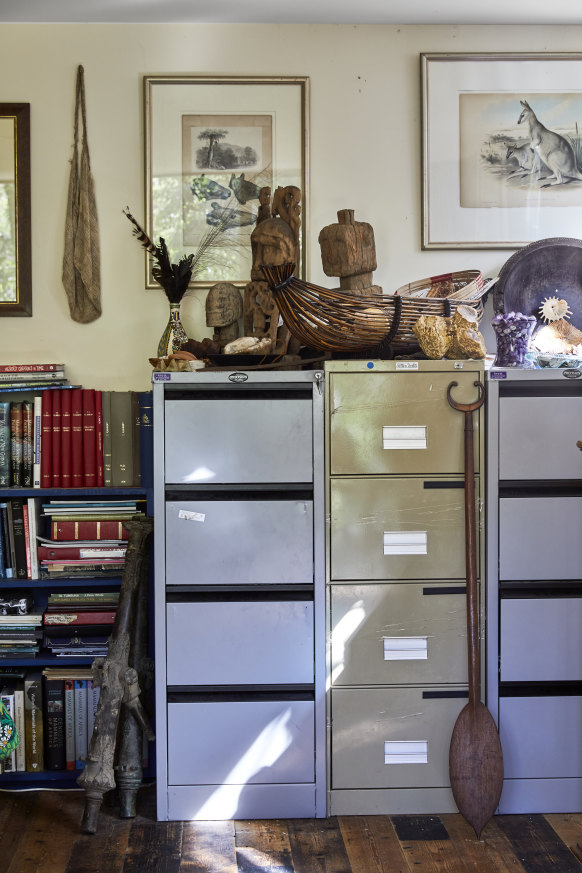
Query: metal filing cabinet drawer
540, 737
398, 634
537, 437
202, 445
240, 742
242, 542
397, 529
392, 738
240, 642
540, 538
398, 423
541, 640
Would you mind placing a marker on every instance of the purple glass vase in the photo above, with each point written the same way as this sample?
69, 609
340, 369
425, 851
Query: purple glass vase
513, 331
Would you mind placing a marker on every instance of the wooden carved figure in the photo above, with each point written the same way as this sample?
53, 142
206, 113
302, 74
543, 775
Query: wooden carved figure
348, 250
275, 240
224, 307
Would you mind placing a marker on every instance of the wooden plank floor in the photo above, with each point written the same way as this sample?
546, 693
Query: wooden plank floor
39, 833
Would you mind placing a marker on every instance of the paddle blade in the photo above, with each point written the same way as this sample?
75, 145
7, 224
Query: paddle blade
476, 765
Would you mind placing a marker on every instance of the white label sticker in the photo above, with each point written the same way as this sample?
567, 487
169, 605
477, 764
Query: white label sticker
407, 365
191, 516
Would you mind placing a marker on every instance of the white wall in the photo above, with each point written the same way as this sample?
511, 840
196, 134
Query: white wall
365, 154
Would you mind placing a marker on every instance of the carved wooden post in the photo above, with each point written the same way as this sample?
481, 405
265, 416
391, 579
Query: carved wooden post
129, 770
118, 681
348, 250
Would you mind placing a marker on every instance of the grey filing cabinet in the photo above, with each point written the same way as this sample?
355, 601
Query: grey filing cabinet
397, 650
534, 580
240, 595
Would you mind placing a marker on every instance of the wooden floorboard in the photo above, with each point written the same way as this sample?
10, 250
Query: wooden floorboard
40, 833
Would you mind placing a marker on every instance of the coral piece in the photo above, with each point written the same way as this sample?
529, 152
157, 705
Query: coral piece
456, 338
433, 335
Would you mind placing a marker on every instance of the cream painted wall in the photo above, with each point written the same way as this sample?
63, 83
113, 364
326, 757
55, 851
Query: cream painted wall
365, 154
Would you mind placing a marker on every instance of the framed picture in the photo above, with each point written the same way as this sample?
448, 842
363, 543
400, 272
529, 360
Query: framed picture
502, 149
211, 145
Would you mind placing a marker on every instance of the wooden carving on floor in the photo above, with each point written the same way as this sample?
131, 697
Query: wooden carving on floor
118, 678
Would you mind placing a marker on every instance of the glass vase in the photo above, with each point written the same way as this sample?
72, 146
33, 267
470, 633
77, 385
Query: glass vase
513, 331
174, 336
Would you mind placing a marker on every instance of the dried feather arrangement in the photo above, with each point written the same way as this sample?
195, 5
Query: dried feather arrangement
175, 278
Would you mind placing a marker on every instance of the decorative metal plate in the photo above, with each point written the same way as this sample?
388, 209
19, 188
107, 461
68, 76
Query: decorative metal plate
546, 268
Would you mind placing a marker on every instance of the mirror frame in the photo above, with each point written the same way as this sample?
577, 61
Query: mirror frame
23, 305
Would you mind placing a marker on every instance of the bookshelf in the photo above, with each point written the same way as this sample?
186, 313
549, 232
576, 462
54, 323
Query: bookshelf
41, 589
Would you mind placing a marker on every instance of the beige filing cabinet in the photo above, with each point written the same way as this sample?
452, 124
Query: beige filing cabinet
396, 604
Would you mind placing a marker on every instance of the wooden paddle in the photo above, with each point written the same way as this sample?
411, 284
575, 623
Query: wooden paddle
475, 756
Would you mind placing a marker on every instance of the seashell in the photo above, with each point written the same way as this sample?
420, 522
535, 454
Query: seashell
554, 308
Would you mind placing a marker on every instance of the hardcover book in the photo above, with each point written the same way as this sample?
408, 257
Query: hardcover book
121, 439
16, 449
99, 472
46, 451
77, 438
89, 439
20, 725
37, 434
79, 617
56, 441
19, 537
27, 443
80, 722
4, 444
34, 731
106, 416
54, 723
31, 376
146, 438
66, 435
69, 723
31, 368
88, 530
7, 698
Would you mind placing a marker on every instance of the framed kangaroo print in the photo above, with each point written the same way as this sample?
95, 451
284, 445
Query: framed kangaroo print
211, 145
502, 149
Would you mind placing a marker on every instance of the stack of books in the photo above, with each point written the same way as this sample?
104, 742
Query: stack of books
86, 537
69, 436
70, 698
17, 418
18, 532
20, 635
79, 623
93, 439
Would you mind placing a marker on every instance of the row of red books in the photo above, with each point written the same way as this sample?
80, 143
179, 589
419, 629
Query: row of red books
89, 438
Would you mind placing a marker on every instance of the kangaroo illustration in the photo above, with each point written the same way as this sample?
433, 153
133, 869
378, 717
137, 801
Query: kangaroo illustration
550, 148
524, 155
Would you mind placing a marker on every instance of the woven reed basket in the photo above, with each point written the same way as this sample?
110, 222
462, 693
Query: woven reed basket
329, 320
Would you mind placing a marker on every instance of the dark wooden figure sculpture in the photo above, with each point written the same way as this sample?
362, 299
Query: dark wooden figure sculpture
118, 680
129, 770
275, 240
475, 756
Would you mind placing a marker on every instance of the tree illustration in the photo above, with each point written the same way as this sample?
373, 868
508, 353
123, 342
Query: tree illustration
213, 136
